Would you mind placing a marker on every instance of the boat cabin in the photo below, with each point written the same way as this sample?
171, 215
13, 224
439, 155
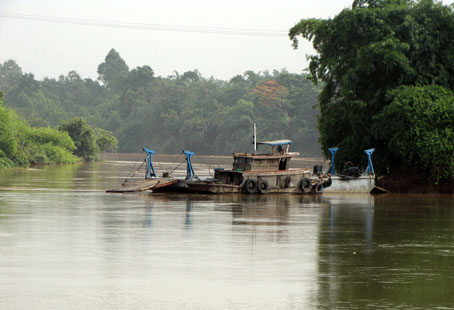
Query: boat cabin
274, 156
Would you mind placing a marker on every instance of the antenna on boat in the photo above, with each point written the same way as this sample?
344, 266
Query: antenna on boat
255, 139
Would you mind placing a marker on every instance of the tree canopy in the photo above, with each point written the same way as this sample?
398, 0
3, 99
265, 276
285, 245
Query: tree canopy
168, 114
22, 145
113, 71
376, 58
88, 141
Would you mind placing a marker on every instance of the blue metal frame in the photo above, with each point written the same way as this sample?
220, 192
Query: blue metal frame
370, 167
189, 169
150, 169
333, 151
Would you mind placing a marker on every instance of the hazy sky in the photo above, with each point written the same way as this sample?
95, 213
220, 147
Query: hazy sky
50, 49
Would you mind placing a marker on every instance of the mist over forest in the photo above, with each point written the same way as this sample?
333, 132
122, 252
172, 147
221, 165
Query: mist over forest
168, 114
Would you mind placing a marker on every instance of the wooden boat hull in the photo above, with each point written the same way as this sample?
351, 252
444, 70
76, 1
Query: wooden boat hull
143, 185
286, 181
207, 188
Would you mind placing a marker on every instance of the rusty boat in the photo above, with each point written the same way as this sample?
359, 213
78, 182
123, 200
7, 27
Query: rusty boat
266, 172
262, 172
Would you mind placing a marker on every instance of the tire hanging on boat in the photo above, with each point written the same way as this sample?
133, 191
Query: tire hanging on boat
250, 186
318, 188
327, 183
262, 186
305, 185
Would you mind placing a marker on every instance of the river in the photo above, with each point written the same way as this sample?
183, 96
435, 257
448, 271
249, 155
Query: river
67, 244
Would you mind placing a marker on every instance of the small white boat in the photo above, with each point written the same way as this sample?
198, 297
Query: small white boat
352, 180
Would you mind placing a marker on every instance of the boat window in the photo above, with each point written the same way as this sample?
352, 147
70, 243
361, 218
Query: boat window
283, 164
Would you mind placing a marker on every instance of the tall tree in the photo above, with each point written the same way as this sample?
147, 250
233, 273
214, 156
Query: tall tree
10, 74
364, 54
113, 71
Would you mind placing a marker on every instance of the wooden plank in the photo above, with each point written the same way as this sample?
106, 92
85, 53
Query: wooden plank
164, 183
143, 185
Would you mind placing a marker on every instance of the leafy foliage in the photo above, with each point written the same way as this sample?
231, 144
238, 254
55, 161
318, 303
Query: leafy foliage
21, 145
419, 129
105, 140
186, 110
113, 71
88, 141
365, 55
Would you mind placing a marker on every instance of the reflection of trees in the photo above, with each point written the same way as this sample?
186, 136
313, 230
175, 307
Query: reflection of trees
50, 177
6, 208
345, 230
385, 252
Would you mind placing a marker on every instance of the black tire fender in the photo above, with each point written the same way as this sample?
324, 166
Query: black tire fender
306, 185
250, 186
318, 188
327, 183
263, 186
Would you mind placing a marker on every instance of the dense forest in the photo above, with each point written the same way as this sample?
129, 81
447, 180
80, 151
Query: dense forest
168, 114
387, 69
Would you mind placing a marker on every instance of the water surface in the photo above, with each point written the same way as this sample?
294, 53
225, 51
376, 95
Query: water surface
66, 244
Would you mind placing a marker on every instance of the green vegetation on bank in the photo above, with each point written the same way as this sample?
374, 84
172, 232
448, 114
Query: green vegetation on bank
22, 145
88, 141
388, 73
168, 114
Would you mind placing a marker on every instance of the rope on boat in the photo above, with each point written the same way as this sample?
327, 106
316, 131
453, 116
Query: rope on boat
159, 162
171, 164
207, 164
131, 174
135, 172
184, 159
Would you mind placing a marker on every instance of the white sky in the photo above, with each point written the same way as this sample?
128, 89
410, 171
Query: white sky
50, 49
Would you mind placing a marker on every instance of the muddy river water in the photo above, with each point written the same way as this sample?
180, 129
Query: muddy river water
67, 244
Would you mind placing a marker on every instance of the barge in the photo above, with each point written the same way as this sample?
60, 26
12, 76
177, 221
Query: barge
267, 172
257, 173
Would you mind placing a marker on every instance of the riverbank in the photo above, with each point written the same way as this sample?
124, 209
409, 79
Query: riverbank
413, 184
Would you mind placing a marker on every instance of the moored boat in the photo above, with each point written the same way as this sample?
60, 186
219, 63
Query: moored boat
266, 172
262, 172
351, 180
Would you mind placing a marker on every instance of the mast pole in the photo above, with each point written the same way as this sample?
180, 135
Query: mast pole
255, 139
